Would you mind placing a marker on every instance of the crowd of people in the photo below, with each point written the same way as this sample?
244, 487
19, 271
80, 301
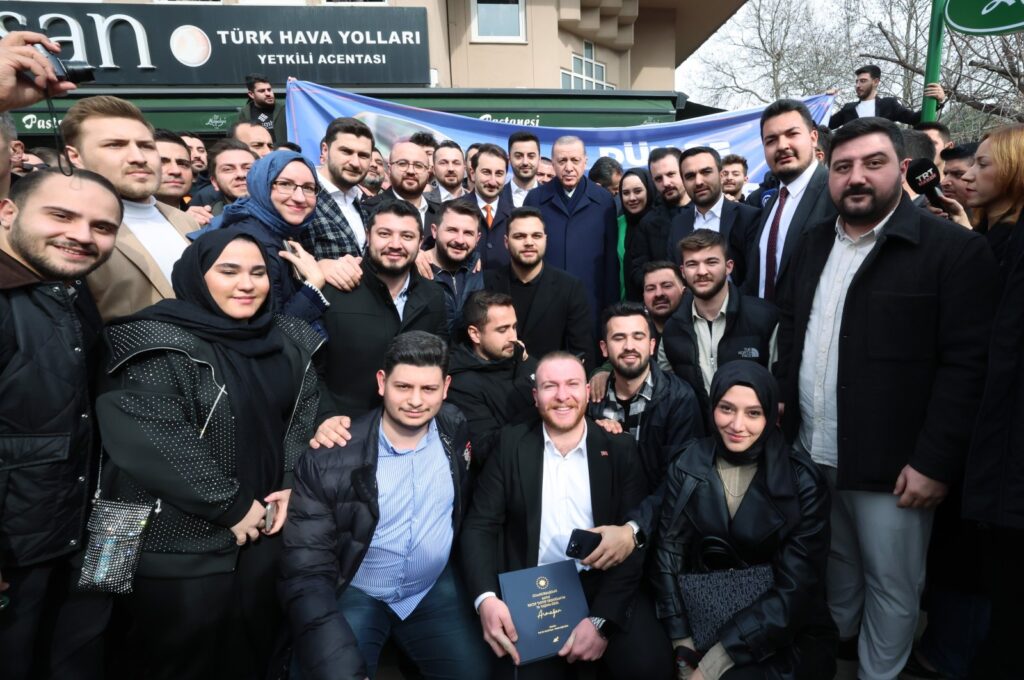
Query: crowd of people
266, 418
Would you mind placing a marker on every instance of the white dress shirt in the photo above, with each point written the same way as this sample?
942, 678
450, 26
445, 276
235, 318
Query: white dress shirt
519, 194
708, 337
481, 203
796, 190
712, 219
819, 363
866, 108
565, 499
158, 236
446, 195
346, 203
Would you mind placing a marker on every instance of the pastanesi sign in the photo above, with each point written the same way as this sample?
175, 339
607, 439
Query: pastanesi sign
177, 44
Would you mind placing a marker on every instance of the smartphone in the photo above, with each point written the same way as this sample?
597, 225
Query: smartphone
582, 543
268, 518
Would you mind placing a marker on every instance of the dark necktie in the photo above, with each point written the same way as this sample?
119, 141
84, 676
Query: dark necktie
770, 267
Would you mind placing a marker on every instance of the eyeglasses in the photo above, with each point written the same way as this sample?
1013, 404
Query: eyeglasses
287, 188
404, 165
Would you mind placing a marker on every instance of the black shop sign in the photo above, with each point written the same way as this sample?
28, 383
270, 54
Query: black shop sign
177, 44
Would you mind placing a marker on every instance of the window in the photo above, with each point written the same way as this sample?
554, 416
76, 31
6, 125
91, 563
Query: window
587, 73
499, 20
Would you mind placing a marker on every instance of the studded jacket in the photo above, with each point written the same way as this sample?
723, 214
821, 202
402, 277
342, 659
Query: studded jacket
167, 428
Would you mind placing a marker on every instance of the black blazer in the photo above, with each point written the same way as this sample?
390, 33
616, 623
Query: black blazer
885, 107
815, 206
738, 224
491, 246
374, 203
560, 317
912, 348
502, 530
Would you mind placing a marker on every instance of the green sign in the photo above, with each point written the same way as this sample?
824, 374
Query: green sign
985, 17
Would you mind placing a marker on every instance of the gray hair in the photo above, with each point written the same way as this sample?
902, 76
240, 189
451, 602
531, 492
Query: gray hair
566, 140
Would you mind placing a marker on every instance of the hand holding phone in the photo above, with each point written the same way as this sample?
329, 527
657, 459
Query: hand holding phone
582, 543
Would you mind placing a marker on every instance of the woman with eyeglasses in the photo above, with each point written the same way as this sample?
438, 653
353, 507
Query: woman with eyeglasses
282, 198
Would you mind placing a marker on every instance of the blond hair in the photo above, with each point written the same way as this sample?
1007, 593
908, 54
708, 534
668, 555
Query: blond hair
101, 106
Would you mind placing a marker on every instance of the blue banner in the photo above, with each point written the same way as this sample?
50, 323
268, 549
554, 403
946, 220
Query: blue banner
310, 107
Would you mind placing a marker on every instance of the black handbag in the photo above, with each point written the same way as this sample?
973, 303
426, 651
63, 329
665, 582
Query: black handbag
723, 585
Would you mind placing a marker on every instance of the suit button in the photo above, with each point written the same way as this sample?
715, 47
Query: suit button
81, 479
78, 349
85, 416
73, 542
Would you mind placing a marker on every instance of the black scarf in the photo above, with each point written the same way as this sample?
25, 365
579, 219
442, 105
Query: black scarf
652, 194
755, 376
250, 361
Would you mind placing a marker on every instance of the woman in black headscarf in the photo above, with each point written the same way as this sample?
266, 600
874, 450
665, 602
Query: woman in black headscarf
637, 193
742, 498
207, 404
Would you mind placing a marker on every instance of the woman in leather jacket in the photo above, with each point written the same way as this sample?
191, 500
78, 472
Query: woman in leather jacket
745, 490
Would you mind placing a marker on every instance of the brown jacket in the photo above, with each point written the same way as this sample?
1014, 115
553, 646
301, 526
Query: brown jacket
131, 279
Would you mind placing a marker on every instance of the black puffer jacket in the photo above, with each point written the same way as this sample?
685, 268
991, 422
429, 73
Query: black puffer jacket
783, 521
332, 517
168, 430
47, 437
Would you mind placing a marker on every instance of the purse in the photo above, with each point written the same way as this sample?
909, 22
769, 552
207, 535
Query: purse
712, 596
114, 549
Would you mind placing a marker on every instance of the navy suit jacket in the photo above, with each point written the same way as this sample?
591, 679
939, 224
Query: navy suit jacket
582, 237
738, 225
491, 246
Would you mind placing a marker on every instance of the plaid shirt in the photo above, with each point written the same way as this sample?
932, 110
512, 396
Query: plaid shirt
329, 235
611, 409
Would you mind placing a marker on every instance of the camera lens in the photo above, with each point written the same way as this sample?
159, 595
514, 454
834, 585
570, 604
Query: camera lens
79, 72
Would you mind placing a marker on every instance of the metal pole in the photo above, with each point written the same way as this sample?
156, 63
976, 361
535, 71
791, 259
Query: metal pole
933, 65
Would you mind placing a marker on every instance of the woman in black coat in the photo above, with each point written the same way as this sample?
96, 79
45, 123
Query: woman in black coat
207, 402
765, 504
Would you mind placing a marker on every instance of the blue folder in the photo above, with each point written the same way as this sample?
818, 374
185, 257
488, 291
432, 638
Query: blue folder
546, 604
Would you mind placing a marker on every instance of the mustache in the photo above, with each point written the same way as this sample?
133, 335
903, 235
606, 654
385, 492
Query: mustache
87, 248
859, 191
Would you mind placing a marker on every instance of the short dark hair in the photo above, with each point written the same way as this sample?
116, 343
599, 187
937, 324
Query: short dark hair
474, 146
162, 135
871, 70
416, 348
490, 150
347, 126
449, 144
736, 159
524, 212
941, 128
858, 127
824, 139
663, 152
227, 144
522, 136
700, 239
52, 158
658, 265
477, 306
423, 139
25, 187
627, 308
603, 171
917, 144
546, 159
782, 106
253, 78
398, 209
291, 146
459, 207
189, 133
956, 153
697, 150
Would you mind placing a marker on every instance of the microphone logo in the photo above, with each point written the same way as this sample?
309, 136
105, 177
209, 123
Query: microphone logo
926, 177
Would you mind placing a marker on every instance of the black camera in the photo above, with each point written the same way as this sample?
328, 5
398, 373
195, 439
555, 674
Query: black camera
72, 71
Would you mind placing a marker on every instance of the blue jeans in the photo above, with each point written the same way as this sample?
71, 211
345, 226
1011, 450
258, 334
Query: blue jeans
442, 636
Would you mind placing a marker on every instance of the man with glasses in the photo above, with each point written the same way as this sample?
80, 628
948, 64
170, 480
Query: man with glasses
410, 173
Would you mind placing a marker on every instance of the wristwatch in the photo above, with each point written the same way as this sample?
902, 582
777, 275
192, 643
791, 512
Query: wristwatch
598, 624
639, 537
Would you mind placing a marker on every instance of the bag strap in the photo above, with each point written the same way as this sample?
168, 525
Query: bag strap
99, 485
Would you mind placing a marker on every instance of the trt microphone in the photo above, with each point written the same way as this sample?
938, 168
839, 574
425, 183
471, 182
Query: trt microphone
923, 178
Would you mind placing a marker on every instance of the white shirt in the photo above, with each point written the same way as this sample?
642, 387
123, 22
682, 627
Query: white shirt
866, 108
481, 203
346, 203
446, 195
565, 499
796, 190
158, 236
519, 195
707, 341
819, 363
712, 218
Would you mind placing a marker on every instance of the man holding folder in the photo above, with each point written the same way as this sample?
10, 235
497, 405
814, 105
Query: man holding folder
545, 480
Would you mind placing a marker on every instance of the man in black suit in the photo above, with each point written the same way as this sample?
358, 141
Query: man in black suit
410, 172
551, 305
869, 104
545, 480
489, 167
701, 169
789, 136
648, 244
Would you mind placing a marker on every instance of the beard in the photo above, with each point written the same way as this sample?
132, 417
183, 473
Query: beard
707, 295
556, 426
871, 212
388, 268
338, 178
629, 372
34, 253
451, 260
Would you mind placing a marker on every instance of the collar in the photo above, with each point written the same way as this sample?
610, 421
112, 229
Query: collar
481, 203
446, 195
549, 444
405, 287
13, 274
797, 186
389, 449
646, 391
863, 239
516, 189
331, 188
716, 209
722, 312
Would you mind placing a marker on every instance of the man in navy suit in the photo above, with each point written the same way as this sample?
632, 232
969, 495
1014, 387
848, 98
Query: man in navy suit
489, 167
701, 168
868, 104
581, 224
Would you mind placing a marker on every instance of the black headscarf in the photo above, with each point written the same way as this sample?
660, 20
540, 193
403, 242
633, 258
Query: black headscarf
755, 376
249, 360
652, 194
